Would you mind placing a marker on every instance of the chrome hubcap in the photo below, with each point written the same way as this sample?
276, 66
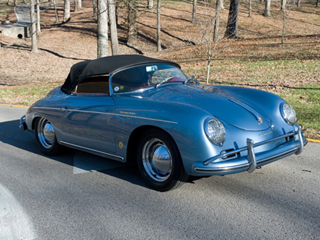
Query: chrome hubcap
157, 160
45, 133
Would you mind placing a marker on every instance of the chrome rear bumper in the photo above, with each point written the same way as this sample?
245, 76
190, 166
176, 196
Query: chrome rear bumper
215, 166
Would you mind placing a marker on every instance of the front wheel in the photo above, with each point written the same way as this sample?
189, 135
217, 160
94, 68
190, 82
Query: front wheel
159, 161
46, 138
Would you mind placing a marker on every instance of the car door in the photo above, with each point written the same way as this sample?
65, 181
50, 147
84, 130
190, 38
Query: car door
89, 120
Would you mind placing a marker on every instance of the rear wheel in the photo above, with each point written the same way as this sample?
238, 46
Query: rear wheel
46, 138
159, 161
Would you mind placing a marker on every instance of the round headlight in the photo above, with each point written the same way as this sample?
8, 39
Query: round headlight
288, 113
215, 131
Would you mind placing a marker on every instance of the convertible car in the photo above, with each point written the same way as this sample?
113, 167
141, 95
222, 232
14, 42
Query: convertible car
132, 107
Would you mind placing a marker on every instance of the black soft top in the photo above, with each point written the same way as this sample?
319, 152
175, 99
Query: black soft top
105, 65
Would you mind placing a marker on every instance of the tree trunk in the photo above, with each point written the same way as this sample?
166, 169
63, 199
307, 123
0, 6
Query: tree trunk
283, 5
8, 2
232, 26
217, 22
150, 4
284, 25
102, 38
15, 2
77, 5
66, 14
298, 3
94, 8
208, 65
267, 9
194, 11
250, 14
113, 28
158, 26
318, 2
33, 30
132, 23
38, 18
55, 11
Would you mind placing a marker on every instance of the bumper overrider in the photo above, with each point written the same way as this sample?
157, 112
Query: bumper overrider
218, 166
23, 125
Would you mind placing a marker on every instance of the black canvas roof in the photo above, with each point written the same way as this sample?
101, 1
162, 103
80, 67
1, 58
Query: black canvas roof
105, 65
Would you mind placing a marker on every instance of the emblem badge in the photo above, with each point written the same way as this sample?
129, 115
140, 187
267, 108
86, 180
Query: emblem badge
260, 120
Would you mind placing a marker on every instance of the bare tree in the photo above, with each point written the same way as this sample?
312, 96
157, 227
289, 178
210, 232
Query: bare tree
33, 30
55, 10
132, 33
318, 3
66, 13
113, 28
209, 35
267, 9
250, 12
217, 21
232, 25
286, 10
38, 17
15, 2
77, 5
298, 3
158, 26
102, 35
283, 5
150, 4
194, 11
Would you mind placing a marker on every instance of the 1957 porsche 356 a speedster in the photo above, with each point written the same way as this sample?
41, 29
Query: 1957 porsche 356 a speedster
134, 107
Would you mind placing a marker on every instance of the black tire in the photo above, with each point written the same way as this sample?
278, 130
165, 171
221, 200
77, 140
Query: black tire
159, 161
46, 138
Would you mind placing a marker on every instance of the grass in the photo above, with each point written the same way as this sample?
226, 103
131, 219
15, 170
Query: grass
25, 94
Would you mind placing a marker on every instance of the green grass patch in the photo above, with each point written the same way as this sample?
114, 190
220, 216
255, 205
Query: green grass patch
306, 102
25, 95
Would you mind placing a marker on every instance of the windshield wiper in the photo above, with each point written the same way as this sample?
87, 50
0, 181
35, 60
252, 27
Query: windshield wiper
162, 82
191, 78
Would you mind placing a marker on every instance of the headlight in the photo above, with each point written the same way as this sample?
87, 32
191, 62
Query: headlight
215, 131
288, 113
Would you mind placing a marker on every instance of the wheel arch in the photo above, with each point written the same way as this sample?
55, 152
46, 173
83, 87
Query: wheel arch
134, 140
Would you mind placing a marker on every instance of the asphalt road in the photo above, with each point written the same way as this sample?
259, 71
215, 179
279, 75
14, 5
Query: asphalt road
81, 196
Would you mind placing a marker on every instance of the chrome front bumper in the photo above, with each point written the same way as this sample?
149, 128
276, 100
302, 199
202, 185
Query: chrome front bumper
216, 165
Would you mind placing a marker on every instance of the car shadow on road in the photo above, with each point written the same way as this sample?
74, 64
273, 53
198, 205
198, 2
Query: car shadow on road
82, 162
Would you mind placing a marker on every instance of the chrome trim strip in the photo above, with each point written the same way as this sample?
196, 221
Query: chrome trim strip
249, 109
47, 108
114, 114
93, 151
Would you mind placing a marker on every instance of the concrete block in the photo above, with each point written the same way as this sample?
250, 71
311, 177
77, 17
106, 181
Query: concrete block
16, 32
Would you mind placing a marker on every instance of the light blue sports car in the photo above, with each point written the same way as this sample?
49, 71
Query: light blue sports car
131, 107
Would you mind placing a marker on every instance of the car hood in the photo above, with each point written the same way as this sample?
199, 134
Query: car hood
239, 113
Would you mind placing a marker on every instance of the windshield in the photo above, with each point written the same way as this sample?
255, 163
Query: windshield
145, 76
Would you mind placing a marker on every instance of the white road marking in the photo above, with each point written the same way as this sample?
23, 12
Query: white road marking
14, 222
85, 162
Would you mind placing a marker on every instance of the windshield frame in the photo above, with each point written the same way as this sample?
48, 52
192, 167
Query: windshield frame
144, 88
